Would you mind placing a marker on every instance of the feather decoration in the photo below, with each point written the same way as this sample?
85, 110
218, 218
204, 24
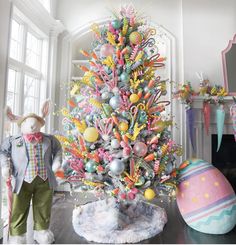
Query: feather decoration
220, 118
190, 122
207, 114
233, 116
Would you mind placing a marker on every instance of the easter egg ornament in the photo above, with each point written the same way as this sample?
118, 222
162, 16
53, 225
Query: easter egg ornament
124, 77
134, 98
140, 149
117, 166
123, 126
90, 166
149, 194
106, 50
115, 102
135, 37
116, 24
91, 134
205, 198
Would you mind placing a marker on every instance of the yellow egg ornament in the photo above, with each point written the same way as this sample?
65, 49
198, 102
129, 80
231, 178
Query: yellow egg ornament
149, 194
90, 134
159, 126
134, 98
123, 126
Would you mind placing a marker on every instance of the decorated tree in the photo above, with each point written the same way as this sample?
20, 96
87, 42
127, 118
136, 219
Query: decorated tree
117, 132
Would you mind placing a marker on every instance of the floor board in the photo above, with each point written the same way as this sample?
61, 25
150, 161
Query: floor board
175, 231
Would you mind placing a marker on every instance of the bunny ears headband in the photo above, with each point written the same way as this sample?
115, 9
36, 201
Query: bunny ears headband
20, 119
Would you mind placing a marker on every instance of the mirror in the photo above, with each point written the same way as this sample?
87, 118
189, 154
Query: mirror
229, 66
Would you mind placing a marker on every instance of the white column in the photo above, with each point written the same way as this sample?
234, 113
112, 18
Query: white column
51, 81
5, 7
63, 75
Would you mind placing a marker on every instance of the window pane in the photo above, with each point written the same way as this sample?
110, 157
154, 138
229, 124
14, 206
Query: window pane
11, 80
16, 40
14, 50
15, 30
30, 86
10, 99
29, 105
31, 94
33, 51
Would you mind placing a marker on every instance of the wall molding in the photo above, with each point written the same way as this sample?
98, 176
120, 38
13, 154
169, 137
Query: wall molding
40, 17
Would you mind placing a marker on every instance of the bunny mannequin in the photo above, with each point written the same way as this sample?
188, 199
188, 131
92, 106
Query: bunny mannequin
31, 158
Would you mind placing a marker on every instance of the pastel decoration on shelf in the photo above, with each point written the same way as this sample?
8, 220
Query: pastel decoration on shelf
220, 120
190, 124
185, 94
205, 199
233, 116
207, 115
211, 95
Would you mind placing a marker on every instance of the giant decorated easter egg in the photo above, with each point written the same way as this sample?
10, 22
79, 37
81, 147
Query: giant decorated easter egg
205, 198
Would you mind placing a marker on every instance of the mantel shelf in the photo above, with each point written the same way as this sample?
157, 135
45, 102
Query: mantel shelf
199, 100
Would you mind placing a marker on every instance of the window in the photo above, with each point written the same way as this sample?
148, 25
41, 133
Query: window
28, 55
46, 4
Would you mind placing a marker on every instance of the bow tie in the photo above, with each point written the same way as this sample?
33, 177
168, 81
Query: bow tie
35, 138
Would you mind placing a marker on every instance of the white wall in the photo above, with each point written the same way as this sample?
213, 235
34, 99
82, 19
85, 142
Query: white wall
76, 13
202, 28
208, 25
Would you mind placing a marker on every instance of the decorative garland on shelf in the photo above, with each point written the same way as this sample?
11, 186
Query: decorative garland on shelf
211, 95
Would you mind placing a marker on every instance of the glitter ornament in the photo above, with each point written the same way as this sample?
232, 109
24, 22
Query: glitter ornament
134, 98
149, 194
117, 166
90, 166
90, 134
106, 50
140, 149
115, 102
124, 77
123, 126
135, 37
116, 24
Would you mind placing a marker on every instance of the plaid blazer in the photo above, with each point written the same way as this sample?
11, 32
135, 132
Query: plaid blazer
14, 148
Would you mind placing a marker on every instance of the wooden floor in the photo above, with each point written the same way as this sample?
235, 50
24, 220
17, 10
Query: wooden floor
175, 231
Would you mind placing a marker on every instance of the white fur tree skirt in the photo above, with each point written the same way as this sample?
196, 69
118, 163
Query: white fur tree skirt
105, 221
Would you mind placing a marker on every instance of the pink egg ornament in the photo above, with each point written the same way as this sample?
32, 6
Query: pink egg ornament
205, 199
106, 50
140, 149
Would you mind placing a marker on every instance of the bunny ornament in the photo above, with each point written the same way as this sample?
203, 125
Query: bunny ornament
30, 160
